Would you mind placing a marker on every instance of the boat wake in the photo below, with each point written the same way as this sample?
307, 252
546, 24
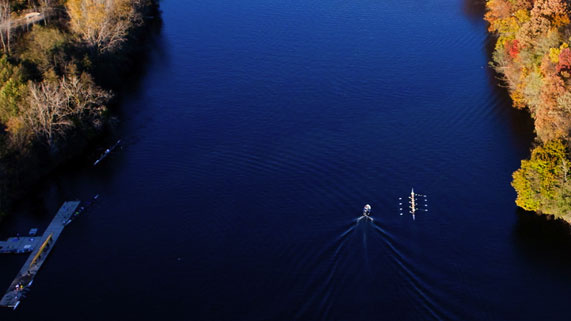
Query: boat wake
415, 281
331, 265
324, 286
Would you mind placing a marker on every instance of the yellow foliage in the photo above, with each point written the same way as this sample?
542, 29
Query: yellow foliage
533, 35
542, 182
554, 55
86, 15
504, 41
101, 23
14, 125
521, 15
497, 10
18, 131
560, 20
508, 25
555, 52
518, 99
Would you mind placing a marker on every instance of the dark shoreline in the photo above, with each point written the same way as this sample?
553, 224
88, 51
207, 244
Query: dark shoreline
20, 172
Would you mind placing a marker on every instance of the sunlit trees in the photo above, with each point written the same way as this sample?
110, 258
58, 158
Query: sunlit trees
56, 106
532, 53
103, 24
47, 94
53, 93
543, 183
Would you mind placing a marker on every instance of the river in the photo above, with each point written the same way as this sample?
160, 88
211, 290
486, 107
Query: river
253, 138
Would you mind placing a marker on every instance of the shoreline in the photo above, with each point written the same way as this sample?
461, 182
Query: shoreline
532, 58
21, 170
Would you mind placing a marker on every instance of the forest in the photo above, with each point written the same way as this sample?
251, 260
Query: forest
58, 60
533, 57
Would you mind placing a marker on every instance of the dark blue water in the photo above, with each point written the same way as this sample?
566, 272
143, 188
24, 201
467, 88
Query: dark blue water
254, 138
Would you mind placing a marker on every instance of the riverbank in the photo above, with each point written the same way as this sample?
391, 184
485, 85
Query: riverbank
533, 57
59, 84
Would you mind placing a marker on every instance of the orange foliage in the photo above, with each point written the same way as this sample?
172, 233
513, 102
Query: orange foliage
533, 55
550, 121
497, 9
531, 38
564, 60
555, 10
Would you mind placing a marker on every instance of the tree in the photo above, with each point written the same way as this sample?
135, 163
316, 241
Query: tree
12, 89
103, 24
56, 106
5, 25
542, 181
46, 7
46, 48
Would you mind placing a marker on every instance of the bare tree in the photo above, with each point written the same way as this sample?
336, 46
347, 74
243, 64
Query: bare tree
55, 105
86, 99
46, 8
5, 25
49, 111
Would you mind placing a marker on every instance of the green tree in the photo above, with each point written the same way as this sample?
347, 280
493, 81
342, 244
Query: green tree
542, 183
13, 89
46, 48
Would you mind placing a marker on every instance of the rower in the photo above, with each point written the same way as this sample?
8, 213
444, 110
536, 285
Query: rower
367, 210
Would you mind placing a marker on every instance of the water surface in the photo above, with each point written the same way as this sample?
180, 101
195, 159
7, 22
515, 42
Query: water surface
253, 140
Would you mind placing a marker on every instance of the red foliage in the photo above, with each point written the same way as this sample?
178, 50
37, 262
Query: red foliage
564, 60
513, 48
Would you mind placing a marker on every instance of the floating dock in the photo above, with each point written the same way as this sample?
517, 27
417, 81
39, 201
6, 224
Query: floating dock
19, 244
41, 246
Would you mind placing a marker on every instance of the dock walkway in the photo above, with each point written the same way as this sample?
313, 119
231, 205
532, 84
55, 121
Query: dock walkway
19, 244
42, 246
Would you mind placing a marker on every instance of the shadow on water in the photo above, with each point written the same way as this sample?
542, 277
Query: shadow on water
543, 241
474, 10
37, 207
152, 48
42, 200
520, 120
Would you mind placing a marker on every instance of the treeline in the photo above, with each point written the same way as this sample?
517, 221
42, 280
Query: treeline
55, 56
533, 54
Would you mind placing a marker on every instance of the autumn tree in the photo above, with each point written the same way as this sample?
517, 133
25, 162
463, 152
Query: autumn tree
532, 53
542, 183
103, 24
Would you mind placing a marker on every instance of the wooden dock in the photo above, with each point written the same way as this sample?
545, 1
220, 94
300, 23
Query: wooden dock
42, 246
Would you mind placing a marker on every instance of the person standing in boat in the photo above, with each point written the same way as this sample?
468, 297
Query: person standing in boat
367, 210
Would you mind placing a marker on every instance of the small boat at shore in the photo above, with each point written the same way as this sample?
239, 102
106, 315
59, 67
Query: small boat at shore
107, 152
